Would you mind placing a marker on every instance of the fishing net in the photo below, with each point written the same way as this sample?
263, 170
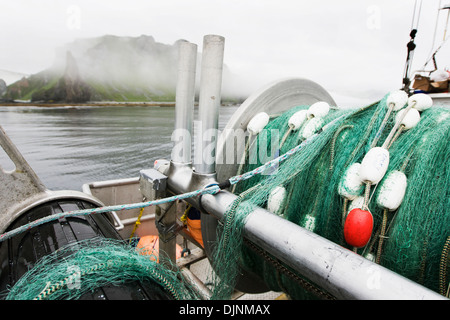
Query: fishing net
83, 266
415, 242
414, 238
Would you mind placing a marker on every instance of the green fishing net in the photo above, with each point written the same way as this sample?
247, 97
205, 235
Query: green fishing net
84, 266
415, 243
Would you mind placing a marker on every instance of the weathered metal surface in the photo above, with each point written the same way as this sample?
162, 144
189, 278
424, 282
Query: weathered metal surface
18, 188
21, 189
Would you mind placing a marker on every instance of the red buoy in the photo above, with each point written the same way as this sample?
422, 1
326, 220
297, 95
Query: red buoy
358, 227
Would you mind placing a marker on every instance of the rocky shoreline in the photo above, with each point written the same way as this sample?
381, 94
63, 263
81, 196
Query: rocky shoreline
101, 104
88, 104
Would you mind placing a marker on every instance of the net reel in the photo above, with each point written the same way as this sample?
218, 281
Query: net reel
274, 98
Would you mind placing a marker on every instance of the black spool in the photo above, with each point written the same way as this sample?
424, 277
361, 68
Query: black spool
20, 253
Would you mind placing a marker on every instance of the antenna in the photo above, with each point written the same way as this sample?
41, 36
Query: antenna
445, 38
446, 7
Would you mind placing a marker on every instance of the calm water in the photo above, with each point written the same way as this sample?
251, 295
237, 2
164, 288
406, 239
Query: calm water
70, 146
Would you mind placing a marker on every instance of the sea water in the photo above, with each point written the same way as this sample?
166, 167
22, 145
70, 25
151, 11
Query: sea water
70, 146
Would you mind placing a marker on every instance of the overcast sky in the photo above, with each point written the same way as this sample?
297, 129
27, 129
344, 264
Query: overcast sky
352, 48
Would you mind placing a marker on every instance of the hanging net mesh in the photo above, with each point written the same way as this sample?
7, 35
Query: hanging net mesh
414, 244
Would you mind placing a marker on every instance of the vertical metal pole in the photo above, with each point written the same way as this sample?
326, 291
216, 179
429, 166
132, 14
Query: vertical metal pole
184, 105
209, 104
182, 138
166, 215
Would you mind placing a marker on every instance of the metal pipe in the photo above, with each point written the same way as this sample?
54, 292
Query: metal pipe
209, 104
21, 165
197, 284
184, 104
337, 270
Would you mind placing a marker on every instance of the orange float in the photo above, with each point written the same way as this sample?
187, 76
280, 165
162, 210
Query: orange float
358, 227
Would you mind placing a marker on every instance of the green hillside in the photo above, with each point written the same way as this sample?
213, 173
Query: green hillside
110, 68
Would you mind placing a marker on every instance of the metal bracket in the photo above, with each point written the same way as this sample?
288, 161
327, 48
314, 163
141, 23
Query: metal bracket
167, 232
19, 187
152, 183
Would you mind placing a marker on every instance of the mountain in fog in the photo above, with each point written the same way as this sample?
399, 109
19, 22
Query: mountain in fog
6, 78
10, 77
108, 68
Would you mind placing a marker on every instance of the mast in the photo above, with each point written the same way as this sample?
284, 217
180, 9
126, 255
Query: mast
411, 46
